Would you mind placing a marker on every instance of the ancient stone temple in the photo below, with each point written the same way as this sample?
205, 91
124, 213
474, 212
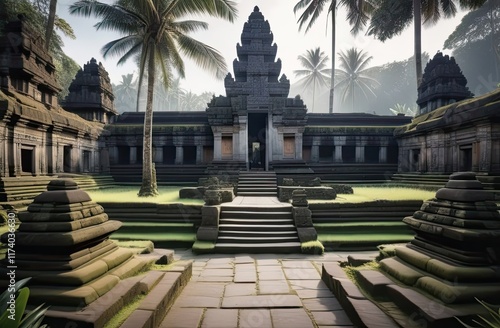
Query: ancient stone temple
63, 244
91, 95
39, 137
256, 126
451, 132
442, 83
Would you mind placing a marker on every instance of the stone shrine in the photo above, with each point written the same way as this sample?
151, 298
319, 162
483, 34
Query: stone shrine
63, 244
91, 95
455, 256
442, 83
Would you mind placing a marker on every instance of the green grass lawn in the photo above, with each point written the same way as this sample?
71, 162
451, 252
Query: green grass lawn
128, 194
368, 194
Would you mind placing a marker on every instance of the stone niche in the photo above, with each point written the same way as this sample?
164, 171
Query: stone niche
63, 244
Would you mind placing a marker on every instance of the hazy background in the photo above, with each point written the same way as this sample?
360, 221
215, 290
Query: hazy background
291, 42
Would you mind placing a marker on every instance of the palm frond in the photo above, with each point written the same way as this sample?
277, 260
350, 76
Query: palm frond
203, 55
189, 26
224, 9
121, 46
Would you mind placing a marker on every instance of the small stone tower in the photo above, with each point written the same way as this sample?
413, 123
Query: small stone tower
443, 83
90, 94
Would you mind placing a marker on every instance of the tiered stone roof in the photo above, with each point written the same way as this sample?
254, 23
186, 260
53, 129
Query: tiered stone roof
442, 83
256, 73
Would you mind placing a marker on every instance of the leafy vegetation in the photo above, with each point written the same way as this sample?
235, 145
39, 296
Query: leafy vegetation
12, 309
492, 321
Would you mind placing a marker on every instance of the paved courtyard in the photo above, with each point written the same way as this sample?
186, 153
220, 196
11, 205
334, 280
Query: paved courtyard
266, 290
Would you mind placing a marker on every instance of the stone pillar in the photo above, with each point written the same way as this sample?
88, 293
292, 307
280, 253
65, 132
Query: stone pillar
382, 154
298, 145
179, 155
243, 139
209, 228
133, 155
315, 150
199, 154
338, 154
360, 154
217, 146
158, 155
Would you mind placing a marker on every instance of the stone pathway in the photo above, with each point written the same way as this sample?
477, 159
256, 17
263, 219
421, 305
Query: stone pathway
263, 290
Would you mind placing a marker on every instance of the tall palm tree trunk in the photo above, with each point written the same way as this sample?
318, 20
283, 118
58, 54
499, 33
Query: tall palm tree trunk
149, 186
332, 76
314, 95
417, 21
50, 22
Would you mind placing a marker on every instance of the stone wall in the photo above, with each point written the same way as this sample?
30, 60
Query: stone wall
285, 192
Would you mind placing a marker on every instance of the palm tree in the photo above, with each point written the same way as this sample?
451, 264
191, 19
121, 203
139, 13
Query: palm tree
152, 31
314, 72
358, 12
391, 17
353, 74
50, 23
126, 91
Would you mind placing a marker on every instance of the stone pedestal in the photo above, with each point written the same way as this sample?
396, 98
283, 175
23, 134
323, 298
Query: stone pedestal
209, 228
455, 256
63, 244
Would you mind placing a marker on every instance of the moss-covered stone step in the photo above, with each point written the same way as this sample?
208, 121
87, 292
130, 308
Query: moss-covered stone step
281, 247
361, 311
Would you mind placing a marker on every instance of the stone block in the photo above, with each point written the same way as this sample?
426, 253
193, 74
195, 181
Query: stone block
307, 234
464, 195
190, 193
212, 197
302, 217
210, 216
400, 270
207, 233
63, 197
464, 184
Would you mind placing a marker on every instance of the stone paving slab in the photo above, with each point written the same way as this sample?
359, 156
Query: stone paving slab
271, 275
267, 268
244, 267
255, 318
243, 259
185, 301
329, 318
268, 262
322, 304
245, 277
261, 301
217, 272
299, 273
182, 318
213, 279
219, 266
204, 289
313, 293
240, 289
307, 284
286, 318
220, 318
297, 264
274, 287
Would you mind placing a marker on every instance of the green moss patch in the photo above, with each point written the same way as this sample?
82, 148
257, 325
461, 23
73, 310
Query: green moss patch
312, 247
203, 247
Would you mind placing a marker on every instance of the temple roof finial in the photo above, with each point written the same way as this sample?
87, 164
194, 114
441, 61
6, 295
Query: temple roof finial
256, 9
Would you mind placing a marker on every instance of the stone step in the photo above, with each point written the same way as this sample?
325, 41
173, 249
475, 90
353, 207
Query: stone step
257, 233
257, 227
257, 208
260, 221
240, 239
255, 215
285, 247
257, 194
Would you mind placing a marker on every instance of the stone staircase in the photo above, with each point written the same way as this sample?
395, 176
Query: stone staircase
257, 229
257, 183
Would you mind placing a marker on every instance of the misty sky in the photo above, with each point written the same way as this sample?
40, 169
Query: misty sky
291, 42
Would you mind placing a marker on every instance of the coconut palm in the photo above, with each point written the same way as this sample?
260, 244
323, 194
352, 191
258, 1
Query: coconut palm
391, 17
353, 74
358, 12
314, 70
126, 92
152, 30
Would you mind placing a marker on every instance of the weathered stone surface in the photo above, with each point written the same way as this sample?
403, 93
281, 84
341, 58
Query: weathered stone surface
463, 176
182, 318
62, 184
221, 318
285, 193
464, 195
63, 197
307, 234
464, 184
255, 318
286, 318
190, 193
261, 301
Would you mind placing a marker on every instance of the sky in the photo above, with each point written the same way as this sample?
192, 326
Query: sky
291, 42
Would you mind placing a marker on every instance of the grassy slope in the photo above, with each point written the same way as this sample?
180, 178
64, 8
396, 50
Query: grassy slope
125, 194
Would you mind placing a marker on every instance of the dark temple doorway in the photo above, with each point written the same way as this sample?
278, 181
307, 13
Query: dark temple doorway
257, 130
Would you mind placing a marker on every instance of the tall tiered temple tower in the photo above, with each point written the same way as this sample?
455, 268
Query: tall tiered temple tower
255, 124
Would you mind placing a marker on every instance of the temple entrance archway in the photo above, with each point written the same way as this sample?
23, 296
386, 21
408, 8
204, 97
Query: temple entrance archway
257, 140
